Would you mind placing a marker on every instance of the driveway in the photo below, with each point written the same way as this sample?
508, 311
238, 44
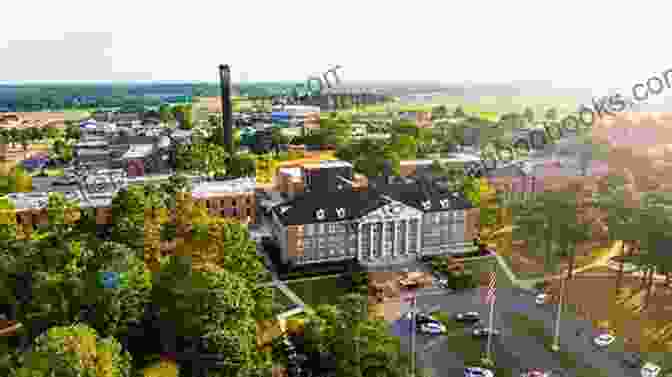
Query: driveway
517, 351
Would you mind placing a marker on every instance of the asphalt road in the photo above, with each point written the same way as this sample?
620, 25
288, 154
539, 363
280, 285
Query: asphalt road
513, 351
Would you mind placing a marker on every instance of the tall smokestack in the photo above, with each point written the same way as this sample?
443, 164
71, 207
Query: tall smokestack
227, 115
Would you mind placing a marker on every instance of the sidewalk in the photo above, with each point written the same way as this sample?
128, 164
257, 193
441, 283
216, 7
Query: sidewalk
529, 283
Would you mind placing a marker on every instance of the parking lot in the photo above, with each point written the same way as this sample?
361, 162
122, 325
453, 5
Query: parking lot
517, 348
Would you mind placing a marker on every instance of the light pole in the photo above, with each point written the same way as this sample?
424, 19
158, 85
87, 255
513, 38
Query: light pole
556, 338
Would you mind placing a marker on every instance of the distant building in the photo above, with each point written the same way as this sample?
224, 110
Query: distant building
233, 198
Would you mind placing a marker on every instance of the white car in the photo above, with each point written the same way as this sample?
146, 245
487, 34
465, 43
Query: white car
604, 340
432, 328
541, 298
477, 372
650, 370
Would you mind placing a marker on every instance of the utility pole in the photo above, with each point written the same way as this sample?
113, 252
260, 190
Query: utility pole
556, 338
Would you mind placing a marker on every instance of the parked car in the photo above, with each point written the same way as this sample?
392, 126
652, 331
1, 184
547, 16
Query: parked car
467, 317
432, 328
650, 370
484, 331
477, 372
604, 340
535, 373
541, 298
633, 361
422, 318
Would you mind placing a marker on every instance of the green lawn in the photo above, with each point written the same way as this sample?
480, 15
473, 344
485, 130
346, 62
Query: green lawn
468, 348
480, 266
318, 291
280, 301
521, 324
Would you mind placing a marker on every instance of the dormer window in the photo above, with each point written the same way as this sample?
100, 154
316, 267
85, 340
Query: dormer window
426, 205
444, 203
319, 214
340, 212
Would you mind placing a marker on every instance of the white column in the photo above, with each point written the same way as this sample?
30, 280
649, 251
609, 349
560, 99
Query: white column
383, 252
371, 239
359, 242
417, 250
407, 247
395, 239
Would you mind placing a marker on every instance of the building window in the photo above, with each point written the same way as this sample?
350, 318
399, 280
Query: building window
235, 212
233, 202
248, 201
248, 212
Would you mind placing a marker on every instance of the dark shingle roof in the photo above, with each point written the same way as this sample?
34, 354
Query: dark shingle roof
354, 204
425, 197
336, 205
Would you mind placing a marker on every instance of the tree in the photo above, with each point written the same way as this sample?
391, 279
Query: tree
620, 219
551, 114
361, 346
405, 146
528, 114
59, 213
459, 112
211, 303
73, 351
176, 183
439, 112
128, 212
165, 113
242, 165
7, 220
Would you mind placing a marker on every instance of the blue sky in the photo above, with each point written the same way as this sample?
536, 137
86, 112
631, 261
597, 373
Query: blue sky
578, 44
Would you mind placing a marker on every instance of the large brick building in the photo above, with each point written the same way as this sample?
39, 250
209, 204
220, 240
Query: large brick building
389, 224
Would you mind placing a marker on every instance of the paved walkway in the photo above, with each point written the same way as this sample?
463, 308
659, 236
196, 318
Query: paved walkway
529, 283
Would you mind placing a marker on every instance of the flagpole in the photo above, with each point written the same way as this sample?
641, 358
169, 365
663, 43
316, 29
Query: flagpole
492, 311
413, 303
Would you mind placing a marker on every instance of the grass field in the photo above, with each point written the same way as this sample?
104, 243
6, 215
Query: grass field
318, 291
469, 349
482, 267
524, 325
487, 107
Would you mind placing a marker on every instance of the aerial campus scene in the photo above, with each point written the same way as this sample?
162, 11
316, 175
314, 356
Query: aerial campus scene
170, 207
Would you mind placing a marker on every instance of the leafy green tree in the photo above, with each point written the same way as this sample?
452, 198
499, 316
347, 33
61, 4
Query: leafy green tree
74, 351
362, 346
128, 214
165, 113
7, 220
528, 114
405, 146
459, 112
551, 114
212, 303
439, 112
242, 165
619, 217
176, 183
73, 132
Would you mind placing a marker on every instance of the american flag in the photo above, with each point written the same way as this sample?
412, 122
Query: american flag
490, 296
